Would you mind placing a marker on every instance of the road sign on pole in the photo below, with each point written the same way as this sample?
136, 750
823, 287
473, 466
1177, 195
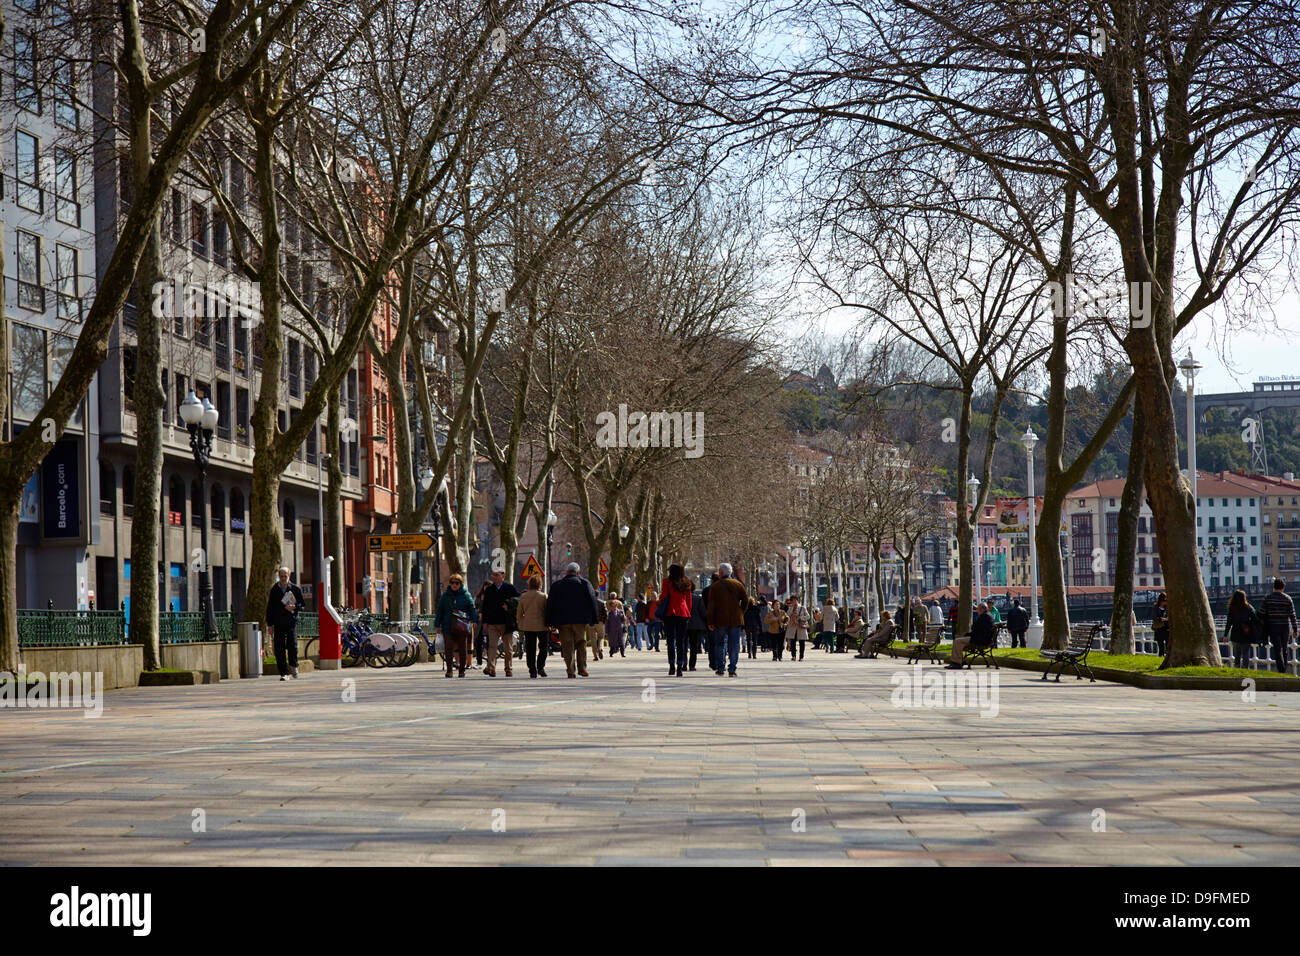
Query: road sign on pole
399, 542
604, 575
532, 567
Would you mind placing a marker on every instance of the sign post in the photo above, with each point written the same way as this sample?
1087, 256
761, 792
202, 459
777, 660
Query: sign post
399, 542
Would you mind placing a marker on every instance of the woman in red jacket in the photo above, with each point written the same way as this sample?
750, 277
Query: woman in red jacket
676, 591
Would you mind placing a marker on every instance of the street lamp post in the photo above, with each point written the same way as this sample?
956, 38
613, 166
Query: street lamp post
551, 519
973, 484
426, 482
1030, 440
320, 518
201, 420
1189, 366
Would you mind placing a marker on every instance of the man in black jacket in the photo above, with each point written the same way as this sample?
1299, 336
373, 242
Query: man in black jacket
571, 609
1279, 620
982, 634
282, 607
496, 621
1017, 623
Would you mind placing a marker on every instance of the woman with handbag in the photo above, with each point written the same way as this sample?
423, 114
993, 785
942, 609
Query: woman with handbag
532, 621
774, 624
796, 629
1244, 627
675, 600
455, 618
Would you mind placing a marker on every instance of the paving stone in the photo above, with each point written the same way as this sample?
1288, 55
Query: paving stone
709, 775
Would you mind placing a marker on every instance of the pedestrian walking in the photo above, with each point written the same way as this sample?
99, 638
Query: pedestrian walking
696, 629
1278, 612
1160, 623
712, 635
497, 624
640, 612
936, 614
596, 632
282, 607
754, 626
615, 625
796, 628
455, 619
532, 621
677, 591
830, 619
480, 629
1243, 627
726, 615
774, 626
654, 626
1017, 623
571, 609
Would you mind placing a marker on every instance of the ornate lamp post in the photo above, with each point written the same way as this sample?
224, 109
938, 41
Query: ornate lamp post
973, 485
1189, 366
551, 520
426, 482
201, 420
1029, 439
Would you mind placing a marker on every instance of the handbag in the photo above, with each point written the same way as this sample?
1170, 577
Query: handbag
661, 609
460, 626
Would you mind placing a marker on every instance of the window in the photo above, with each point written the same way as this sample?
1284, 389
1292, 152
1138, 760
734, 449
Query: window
181, 393
107, 490
65, 282
61, 347
199, 229
217, 502
241, 416
222, 402
27, 90
219, 243
178, 217
31, 294
65, 93
1252, 521
128, 492
28, 172
28, 371
196, 506
236, 511
295, 368
290, 521
67, 207
175, 501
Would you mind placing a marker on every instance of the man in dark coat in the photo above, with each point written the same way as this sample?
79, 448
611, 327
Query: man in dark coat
982, 634
1017, 623
497, 624
282, 607
1279, 621
571, 608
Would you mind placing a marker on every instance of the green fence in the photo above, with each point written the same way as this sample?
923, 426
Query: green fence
308, 624
38, 628
186, 627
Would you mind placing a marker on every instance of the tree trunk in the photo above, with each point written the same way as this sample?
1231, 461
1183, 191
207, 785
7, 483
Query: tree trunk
339, 596
1130, 503
150, 406
1051, 570
9, 652
264, 527
150, 401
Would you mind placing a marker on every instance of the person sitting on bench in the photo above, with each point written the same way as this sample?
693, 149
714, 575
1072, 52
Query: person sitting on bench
983, 633
879, 638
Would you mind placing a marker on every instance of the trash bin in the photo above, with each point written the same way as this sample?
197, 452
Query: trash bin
250, 649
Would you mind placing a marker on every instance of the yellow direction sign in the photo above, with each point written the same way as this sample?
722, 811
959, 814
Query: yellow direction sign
604, 574
532, 567
399, 542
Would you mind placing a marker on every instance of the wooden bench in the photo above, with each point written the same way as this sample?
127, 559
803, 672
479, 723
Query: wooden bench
1076, 653
926, 648
975, 652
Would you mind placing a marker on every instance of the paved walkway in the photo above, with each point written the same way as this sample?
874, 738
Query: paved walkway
804, 763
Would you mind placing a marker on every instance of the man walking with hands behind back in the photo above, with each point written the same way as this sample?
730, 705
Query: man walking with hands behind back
571, 608
282, 607
726, 608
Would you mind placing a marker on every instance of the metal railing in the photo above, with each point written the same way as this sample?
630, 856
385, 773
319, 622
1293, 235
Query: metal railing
38, 628
186, 627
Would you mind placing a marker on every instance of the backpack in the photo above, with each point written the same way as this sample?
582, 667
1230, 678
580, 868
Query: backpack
512, 613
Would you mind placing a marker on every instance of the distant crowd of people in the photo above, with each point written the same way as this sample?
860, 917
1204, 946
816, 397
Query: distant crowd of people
723, 622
